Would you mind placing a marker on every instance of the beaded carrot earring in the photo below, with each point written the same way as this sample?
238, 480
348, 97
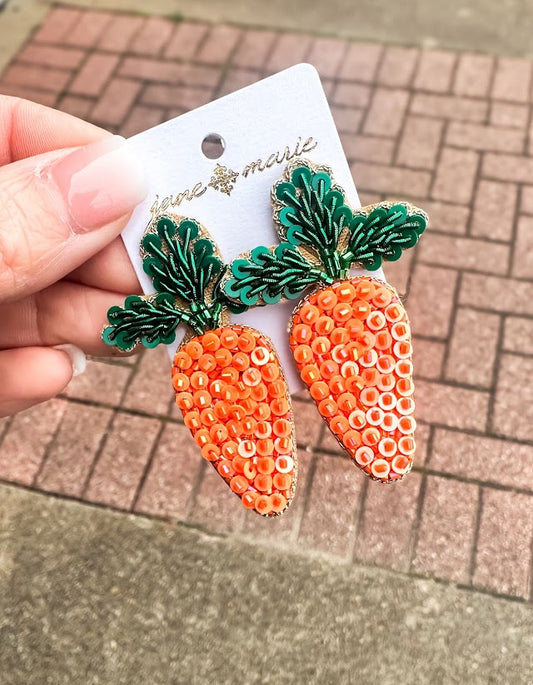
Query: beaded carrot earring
350, 337
228, 380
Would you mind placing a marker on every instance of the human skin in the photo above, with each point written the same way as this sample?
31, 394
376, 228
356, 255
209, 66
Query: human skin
67, 189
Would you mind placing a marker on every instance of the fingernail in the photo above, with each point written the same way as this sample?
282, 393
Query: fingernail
100, 182
77, 358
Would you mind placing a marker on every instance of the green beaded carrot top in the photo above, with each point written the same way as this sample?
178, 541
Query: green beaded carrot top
186, 273
322, 237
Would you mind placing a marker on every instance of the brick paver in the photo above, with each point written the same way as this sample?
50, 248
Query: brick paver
449, 131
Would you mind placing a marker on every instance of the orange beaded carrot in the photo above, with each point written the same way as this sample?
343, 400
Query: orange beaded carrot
228, 380
350, 337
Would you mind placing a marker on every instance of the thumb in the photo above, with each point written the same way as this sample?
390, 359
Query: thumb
60, 208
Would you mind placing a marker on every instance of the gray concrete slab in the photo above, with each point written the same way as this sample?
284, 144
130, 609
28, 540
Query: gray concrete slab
18, 18
492, 26
93, 596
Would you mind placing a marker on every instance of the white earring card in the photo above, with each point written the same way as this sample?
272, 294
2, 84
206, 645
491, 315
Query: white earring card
262, 127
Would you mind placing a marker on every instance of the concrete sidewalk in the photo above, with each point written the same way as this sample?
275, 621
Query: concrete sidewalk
449, 130
90, 596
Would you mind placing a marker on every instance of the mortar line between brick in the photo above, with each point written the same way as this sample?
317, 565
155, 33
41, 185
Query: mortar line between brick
451, 325
195, 489
270, 52
360, 517
147, 466
225, 66
488, 97
415, 530
306, 497
453, 73
401, 132
475, 540
203, 40
530, 579
48, 449
474, 481
495, 374
514, 232
168, 419
3, 431
109, 427
168, 520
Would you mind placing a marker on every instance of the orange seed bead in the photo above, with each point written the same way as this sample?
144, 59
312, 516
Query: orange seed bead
180, 382
328, 369
279, 502
324, 325
345, 292
210, 342
309, 313
281, 428
263, 429
248, 499
249, 470
328, 407
339, 336
229, 450
263, 504
229, 338
347, 402
303, 354
326, 299
265, 447
185, 401
263, 482
339, 425
223, 357
310, 374
259, 392
321, 345
270, 372
351, 440
265, 464
193, 420
210, 452
182, 360
222, 409
201, 398
225, 468
240, 361
364, 289
342, 312
279, 406
282, 481
319, 390
202, 437
218, 433
208, 416
262, 411
246, 342
239, 484
382, 297
194, 349
251, 377
199, 380
302, 333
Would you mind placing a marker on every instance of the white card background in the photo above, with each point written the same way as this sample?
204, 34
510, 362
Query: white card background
255, 122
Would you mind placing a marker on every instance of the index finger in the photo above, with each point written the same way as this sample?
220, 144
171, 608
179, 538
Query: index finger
28, 129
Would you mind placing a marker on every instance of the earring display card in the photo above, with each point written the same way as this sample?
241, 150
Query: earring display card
256, 131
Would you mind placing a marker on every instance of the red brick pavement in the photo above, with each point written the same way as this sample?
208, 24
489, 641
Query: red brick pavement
452, 132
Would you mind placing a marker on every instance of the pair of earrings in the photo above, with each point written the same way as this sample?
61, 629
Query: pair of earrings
350, 336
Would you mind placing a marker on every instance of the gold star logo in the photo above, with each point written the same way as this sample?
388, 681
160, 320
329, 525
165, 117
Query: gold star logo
223, 179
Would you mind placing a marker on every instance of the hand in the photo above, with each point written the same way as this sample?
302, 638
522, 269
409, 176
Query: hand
62, 264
